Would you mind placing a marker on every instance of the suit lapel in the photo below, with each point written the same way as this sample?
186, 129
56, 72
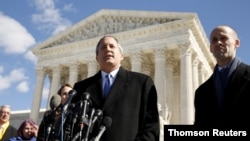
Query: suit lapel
96, 90
238, 78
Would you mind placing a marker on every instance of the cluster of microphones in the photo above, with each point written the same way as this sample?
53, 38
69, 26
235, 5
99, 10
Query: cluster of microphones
75, 121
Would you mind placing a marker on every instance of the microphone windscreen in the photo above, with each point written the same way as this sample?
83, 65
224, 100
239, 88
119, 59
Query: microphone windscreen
85, 96
72, 92
98, 113
55, 101
107, 121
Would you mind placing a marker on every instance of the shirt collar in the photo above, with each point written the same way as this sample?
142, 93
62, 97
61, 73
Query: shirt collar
113, 73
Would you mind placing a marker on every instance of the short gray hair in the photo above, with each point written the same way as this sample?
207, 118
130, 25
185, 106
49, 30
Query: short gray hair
99, 42
4, 106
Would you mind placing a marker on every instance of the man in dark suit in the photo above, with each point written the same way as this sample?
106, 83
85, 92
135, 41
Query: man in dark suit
6, 130
131, 102
224, 99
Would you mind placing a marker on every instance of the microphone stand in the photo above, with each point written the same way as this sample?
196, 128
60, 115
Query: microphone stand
47, 133
89, 124
62, 119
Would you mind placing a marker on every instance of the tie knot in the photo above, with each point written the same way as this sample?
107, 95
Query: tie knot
223, 69
108, 76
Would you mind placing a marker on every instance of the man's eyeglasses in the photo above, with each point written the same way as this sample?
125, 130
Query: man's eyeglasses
4, 112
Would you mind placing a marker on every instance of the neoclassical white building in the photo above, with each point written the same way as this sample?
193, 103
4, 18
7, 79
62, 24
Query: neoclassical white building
171, 47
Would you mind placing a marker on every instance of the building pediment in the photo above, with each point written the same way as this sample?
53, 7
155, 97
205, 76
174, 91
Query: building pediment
109, 22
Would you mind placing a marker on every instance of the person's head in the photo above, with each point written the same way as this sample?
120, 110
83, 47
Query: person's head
27, 129
4, 114
223, 44
63, 92
109, 53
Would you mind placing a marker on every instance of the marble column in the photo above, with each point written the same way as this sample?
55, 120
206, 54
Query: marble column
195, 74
201, 73
73, 74
187, 99
169, 89
136, 61
92, 68
37, 97
160, 78
175, 115
55, 83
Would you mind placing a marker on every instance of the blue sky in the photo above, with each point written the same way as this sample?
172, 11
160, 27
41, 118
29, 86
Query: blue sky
25, 23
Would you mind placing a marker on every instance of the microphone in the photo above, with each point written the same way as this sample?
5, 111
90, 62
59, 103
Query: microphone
75, 114
85, 97
65, 112
89, 124
107, 121
71, 94
55, 102
97, 115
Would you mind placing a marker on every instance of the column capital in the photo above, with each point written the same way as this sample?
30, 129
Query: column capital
170, 59
186, 50
91, 62
57, 68
74, 66
196, 61
160, 52
40, 71
136, 56
184, 44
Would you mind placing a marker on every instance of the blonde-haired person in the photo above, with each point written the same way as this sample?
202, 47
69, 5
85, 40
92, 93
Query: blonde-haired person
6, 130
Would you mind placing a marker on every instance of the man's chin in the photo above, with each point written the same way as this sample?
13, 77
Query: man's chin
109, 61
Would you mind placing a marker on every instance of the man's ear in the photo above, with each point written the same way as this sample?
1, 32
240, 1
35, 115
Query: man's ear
122, 57
237, 43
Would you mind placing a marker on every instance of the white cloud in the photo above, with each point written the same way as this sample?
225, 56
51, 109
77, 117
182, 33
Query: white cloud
23, 87
14, 38
49, 17
15, 75
30, 56
69, 7
59, 29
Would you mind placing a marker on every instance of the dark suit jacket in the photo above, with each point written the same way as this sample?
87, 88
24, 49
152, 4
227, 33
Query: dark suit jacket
9, 133
131, 104
235, 107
